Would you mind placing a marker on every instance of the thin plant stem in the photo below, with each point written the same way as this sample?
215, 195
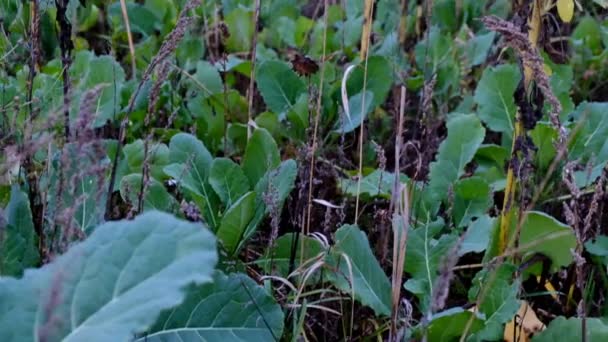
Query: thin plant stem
306, 229
125, 18
254, 43
369, 5
400, 203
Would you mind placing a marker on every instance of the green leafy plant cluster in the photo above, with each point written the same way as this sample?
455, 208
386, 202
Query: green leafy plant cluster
223, 170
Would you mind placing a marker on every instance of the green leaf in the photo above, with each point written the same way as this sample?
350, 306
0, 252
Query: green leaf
348, 124
590, 141
102, 71
465, 135
571, 329
494, 96
490, 160
228, 180
158, 157
156, 196
369, 282
379, 81
472, 199
587, 35
276, 260
449, 325
443, 15
477, 48
540, 233
240, 26
187, 149
438, 50
18, 239
210, 116
544, 137
191, 164
82, 195
209, 78
500, 303
424, 255
112, 285
261, 155
234, 222
232, 308
196, 189
598, 246
189, 51
544, 234
477, 235
377, 184
141, 19
561, 79
279, 85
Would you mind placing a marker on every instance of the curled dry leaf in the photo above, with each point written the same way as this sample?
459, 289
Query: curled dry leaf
524, 325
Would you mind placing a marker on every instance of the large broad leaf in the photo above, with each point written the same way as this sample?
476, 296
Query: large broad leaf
191, 162
232, 308
18, 239
155, 196
83, 195
235, 221
472, 199
276, 260
379, 80
490, 161
450, 324
544, 137
544, 234
540, 233
112, 285
477, 48
477, 236
499, 303
369, 283
571, 329
280, 86
494, 96
197, 190
141, 18
89, 71
158, 157
377, 184
424, 254
261, 155
208, 78
590, 141
358, 112
465, 135
240, 26
437, 49
187, 149
561, 79
228, 180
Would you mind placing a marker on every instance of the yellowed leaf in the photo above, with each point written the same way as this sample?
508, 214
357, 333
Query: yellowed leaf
548, 69
565, 9
523, 325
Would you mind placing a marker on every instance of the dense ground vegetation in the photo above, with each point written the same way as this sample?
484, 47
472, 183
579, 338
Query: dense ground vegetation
294, 170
